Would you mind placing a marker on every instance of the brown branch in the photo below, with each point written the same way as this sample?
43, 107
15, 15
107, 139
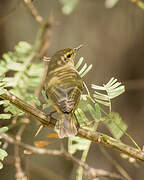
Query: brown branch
43, 172
45, 33
34, 11
89, 171
43, 40
19, 172
96, 137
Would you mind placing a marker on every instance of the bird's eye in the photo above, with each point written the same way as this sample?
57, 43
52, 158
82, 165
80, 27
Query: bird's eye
69, 55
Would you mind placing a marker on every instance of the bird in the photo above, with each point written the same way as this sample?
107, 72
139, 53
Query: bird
63, 87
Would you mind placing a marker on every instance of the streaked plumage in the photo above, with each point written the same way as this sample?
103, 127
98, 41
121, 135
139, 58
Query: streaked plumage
64, 87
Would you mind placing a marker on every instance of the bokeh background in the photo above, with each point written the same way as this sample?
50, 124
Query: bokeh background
114, 41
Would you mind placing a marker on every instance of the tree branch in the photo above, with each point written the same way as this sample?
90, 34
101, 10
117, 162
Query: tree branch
19, 172
89, 171
43, 40
96, 137
34, 11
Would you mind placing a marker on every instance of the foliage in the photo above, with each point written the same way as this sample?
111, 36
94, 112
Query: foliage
110, 3
68, 6
89, 106
21, 77
3, 153
112, 88
26, 75
115, 124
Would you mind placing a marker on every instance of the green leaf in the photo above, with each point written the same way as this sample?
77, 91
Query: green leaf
93, 86
81, 117
79, 63
112, 88
3, 154
35, 70
77, 144
1, 165
31, 98
2, 91
103, 102
110, 3
2, 77
36, 101
15, 66
98, 111
5, 116
11, 81
3, 68
7, 58
14, 110
4, 102
3, 129
23, 47
95, 112
68, 6
116, 125
83, 69
79, 172
82, 105
45, 96
101, 96
86, 71
92, 112
26, 75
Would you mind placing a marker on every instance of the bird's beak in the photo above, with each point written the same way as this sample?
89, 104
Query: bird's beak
78, 47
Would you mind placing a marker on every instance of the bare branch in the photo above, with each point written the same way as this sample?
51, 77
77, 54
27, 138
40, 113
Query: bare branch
89, 171
96, 137
34, 11
19, 172
43, 40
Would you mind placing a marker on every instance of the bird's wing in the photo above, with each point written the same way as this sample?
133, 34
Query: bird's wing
65, 99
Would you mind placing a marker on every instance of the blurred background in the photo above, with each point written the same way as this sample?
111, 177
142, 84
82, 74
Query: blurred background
114, 41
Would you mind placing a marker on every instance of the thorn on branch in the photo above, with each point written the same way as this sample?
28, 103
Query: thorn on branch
38, 131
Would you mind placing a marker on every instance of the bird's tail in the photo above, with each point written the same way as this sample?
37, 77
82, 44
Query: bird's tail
66, 126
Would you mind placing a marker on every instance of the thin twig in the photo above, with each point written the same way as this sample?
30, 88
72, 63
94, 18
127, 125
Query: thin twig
34, 11
45, 32
120, 169
19, 172
43, 172
91, 172
96, 137
44, 38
